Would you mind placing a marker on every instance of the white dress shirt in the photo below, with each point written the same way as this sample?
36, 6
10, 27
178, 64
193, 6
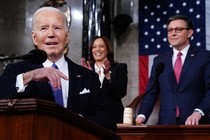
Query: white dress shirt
183, 56
101, 75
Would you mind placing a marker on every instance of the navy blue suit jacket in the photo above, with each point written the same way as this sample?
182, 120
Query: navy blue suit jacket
92, 105
193, 90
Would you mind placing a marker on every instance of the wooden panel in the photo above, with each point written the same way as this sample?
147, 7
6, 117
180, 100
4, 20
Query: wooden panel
32, 119
160, 132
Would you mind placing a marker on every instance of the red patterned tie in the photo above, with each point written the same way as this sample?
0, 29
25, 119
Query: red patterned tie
178, 66
177, 71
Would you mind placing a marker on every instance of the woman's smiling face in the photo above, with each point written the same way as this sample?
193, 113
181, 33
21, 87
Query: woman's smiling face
99, 50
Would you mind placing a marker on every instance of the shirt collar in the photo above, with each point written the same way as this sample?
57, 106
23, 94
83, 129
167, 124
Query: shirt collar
60, 63
98, 68
183, 51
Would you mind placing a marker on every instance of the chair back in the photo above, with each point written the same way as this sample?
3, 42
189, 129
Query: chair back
135, 105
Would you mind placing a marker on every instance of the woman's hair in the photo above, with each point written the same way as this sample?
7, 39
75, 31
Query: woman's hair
108, 45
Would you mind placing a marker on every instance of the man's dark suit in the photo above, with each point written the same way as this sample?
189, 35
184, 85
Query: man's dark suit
116, 89
91, 105
193, 90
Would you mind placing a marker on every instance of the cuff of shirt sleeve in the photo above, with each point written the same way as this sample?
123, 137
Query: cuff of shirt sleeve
19, 83
199, 111
142, 116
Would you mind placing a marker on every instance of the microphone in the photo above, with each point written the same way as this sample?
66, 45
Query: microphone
159, 69
35, 56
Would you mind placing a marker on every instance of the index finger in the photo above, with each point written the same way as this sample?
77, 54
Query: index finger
63, 76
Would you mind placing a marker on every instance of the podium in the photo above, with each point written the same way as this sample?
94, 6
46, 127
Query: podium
164, 132
35, 119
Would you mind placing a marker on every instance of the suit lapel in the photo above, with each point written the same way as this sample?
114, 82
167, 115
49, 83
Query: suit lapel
188, 61
172, 79
74, 80
169, 70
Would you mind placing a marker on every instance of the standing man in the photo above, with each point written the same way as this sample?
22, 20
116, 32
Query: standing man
184, 85
79, 87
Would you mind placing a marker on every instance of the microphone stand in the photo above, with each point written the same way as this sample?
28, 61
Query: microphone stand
9, 58
143, 95
159, 69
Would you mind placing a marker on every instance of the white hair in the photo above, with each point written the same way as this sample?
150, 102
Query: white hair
48, 9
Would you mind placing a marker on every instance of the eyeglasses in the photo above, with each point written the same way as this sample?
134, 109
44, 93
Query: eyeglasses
177, 30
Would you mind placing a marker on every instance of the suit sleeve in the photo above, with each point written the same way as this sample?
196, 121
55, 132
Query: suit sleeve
204, 104
7, 82
117, 85
151, 94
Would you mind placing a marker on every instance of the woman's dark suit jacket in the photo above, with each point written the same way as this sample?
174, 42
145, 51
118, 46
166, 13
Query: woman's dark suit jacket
116, 89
